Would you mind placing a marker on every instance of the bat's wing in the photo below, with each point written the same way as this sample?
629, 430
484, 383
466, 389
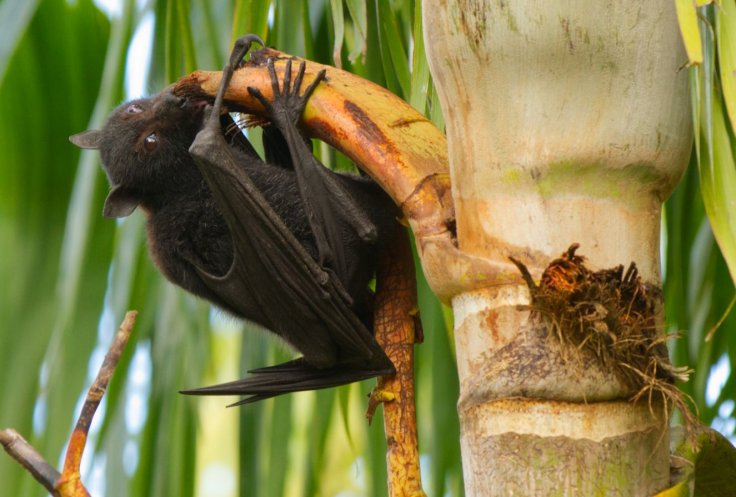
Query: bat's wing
327, 201
273, 280
292, 376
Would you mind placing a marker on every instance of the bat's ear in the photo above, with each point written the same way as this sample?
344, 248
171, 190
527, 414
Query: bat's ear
120, 202
87, 139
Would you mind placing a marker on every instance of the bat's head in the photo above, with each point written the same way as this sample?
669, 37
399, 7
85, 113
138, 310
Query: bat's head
145, 151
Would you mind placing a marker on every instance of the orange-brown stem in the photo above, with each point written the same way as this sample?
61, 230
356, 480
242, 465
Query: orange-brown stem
396, 308
68, 483
384, 135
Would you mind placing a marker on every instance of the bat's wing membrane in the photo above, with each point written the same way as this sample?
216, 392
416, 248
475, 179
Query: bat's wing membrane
273, 280
276, 283
292, 376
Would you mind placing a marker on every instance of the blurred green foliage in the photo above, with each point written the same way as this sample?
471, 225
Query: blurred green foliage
68, 275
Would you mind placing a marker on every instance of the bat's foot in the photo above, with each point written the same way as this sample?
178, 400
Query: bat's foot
288, 105
378, 396
241, 47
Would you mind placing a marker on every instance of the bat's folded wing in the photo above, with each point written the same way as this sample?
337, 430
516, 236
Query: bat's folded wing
292, 376
273, 280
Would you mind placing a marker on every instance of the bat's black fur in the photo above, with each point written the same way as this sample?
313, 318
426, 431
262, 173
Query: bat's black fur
145, 153
144, 147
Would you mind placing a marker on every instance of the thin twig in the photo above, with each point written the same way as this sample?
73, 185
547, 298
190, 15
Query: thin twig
709, 335
68, 483
23, 452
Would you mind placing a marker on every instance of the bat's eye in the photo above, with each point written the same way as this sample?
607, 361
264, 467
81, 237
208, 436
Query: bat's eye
134, 109
151, 142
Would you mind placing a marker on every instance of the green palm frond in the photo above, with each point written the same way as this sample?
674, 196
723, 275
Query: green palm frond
68, 275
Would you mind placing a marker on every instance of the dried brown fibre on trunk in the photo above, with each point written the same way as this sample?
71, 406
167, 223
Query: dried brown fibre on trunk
613, 315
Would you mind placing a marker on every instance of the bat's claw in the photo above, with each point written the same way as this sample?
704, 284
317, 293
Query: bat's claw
241, 47
287, 105
378, 396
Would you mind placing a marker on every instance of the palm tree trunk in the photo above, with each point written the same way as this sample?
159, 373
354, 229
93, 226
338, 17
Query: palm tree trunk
567, 121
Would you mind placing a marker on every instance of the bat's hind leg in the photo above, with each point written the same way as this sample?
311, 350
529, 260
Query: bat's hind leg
285, 110
288, 105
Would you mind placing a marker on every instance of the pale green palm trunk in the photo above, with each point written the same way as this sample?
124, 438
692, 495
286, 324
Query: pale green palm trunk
567, 121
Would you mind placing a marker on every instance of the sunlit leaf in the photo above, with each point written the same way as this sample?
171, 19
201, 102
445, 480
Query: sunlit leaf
726, 36
68, 274
359, 15
338, 23
688, 20
14, 18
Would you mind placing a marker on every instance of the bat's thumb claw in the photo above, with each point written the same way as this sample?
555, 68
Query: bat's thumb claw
241, 47
248, 39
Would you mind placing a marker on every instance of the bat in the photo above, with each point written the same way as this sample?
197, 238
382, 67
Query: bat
286, 242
